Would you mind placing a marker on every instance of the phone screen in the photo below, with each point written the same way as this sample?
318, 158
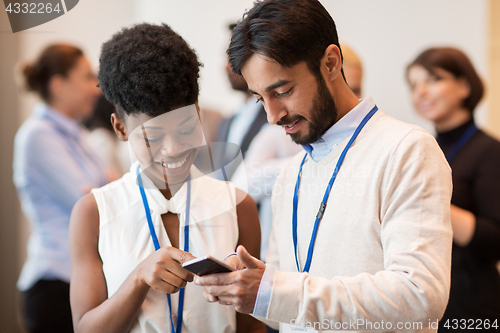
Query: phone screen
207, 265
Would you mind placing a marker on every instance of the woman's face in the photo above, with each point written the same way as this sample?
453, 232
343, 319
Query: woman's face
78, 91
437, 97
166, 145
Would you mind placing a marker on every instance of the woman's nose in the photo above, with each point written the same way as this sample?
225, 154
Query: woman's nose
172, 147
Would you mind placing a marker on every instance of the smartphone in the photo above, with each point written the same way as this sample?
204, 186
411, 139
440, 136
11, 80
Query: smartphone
207, 265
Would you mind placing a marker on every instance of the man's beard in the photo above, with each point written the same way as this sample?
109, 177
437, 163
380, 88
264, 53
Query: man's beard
323, 115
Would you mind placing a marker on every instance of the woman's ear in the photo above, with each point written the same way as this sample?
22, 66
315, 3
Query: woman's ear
56, 86
119, 127
464, 87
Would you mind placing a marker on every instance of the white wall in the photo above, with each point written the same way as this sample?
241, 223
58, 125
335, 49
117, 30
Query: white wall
387, 34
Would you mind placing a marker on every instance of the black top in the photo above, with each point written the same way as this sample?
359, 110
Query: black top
475, 281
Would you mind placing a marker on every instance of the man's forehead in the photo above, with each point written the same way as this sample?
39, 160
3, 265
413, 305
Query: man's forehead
264, 74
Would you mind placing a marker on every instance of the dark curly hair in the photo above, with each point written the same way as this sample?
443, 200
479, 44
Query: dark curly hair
148, 69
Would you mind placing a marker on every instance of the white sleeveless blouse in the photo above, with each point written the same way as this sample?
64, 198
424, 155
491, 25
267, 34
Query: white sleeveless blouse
124, 241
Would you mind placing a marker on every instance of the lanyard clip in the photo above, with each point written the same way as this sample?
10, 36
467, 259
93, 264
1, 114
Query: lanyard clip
321, 210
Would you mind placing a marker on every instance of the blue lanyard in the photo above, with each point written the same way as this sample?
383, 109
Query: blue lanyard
157, 245
468, 134
325, 197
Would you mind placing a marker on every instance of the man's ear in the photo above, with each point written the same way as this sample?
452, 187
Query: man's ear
119, 127
331, 62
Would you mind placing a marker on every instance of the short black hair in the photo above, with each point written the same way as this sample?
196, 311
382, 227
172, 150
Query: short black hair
148, 69
287, 31
457, 63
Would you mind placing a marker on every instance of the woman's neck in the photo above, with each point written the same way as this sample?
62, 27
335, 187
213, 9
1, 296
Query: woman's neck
63, 109
168, 190
166, 193
458, 118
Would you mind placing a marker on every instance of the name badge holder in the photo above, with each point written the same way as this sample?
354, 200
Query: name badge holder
322, 206
288, 328
157, 245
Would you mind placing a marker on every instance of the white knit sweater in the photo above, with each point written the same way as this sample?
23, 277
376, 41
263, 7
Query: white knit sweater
383, 249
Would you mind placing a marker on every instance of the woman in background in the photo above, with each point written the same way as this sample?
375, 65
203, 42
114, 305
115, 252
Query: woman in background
445, 89
53, 168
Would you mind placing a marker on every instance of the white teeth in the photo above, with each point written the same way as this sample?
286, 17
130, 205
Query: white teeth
289, 126
174, 165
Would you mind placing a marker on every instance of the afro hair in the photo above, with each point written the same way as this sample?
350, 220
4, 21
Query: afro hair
148, 69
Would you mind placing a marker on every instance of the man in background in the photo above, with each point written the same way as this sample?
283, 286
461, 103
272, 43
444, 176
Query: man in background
265, 149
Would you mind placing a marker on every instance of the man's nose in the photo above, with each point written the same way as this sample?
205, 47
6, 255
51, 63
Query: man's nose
275, 111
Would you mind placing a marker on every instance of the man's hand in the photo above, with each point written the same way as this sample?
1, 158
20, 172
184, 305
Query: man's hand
162, 270
237, 288
234, 262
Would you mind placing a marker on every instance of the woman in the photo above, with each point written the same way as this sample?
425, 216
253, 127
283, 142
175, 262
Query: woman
53, 169
445, 89
129, 238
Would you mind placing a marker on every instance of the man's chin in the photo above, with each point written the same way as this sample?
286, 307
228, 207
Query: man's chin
303, 139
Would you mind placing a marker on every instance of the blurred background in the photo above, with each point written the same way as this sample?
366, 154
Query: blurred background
386, 34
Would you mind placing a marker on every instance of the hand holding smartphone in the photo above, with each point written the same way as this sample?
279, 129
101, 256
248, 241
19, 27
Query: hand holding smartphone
207, 265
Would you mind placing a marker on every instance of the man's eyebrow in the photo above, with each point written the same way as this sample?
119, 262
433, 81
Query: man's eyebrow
278, 84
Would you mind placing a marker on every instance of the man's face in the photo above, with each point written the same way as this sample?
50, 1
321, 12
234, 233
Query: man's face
292, 97
166, 145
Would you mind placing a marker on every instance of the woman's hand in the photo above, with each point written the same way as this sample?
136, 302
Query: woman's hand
162, 270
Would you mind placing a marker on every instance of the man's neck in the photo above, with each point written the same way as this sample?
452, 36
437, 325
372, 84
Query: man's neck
345, 101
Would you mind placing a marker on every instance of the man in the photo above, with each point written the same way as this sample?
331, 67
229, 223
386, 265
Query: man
376, 254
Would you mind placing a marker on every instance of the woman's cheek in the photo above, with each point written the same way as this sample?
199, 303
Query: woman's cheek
141, 152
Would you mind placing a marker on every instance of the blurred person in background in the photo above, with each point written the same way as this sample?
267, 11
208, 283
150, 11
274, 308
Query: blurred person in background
104, 142
53, 168
265, 149
353, 70
239, 130
445, 89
